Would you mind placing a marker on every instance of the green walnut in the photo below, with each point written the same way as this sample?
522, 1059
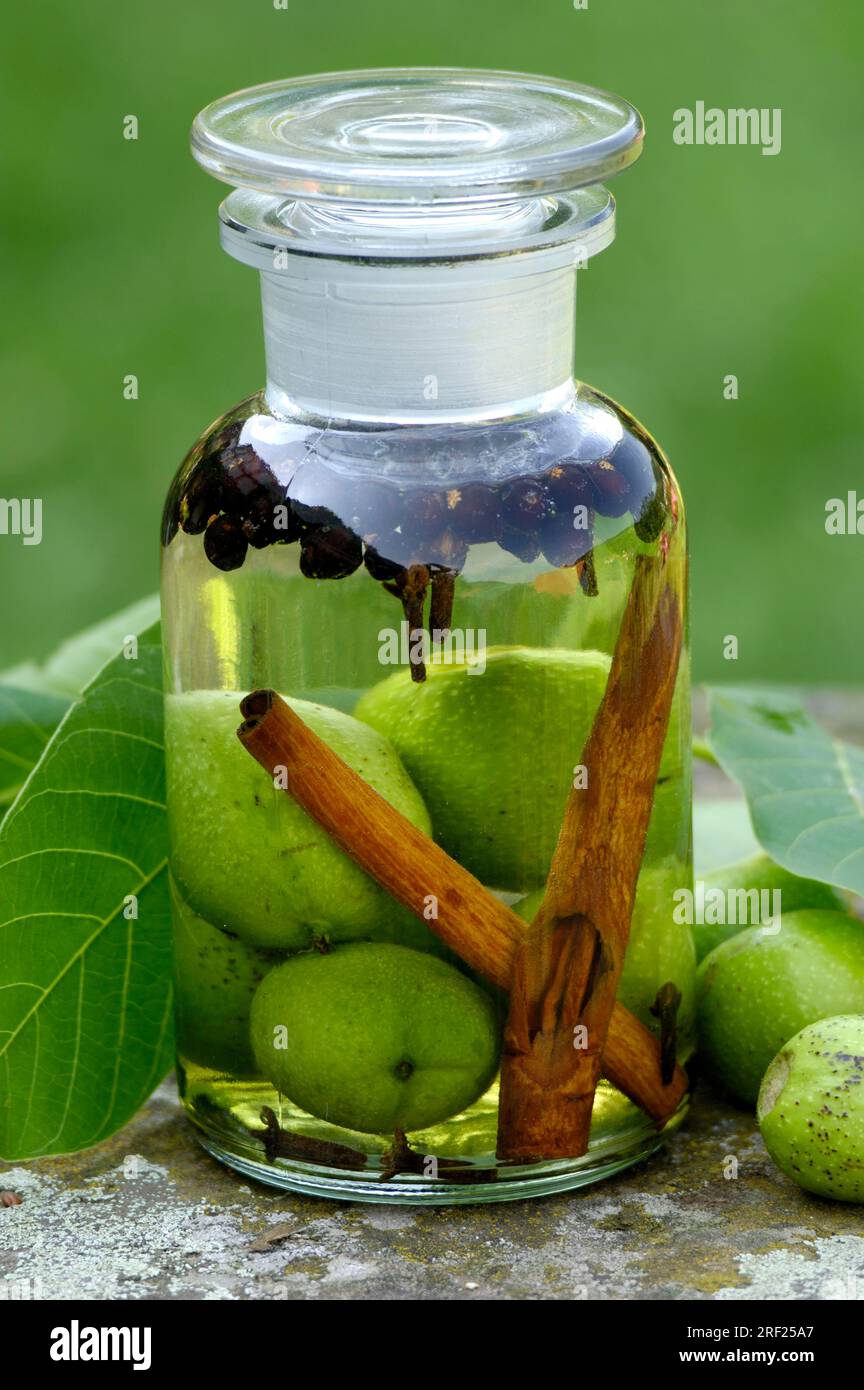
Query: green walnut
659, 952
215, 977
746, 892
762, 986
248, 858
493, 753
811, 1108
375, 1037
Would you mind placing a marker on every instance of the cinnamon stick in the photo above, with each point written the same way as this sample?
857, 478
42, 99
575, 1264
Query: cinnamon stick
414, 870
568, 964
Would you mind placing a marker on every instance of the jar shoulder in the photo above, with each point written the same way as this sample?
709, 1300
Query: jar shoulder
586, 450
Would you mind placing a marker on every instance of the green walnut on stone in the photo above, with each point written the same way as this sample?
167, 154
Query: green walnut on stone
762, 986
248, 858
811, 1108
375, 1037
760, 878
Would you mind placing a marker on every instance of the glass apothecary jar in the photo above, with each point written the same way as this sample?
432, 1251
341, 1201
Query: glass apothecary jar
427, 710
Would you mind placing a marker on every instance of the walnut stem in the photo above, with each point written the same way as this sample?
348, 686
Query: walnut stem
441, 605
412, 591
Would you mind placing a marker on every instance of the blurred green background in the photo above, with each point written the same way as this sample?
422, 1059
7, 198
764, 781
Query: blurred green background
727, 261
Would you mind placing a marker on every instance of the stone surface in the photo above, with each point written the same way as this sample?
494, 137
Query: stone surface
150, 1215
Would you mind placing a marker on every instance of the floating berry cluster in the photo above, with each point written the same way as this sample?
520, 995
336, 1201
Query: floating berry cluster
341, 521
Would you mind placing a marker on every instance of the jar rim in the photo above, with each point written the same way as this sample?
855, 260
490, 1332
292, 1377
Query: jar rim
257, 229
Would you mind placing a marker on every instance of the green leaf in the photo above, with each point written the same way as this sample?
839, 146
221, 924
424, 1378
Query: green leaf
27, 720
33, 699
85, 1007
805, 789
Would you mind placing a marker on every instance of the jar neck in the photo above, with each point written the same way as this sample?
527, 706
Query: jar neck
393, 342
